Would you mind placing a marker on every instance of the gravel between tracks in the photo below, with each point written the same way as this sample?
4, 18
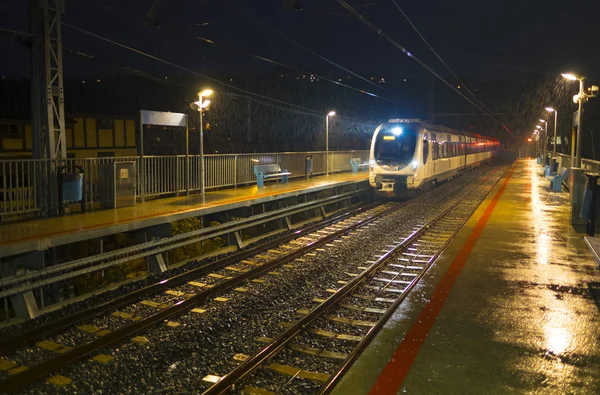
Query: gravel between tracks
175, 359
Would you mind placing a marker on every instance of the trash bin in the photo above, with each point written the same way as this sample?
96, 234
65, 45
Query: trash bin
308, 167
70, 187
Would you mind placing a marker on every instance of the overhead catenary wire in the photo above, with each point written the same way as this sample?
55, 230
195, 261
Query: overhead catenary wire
140, 52
421, 63
302, 46
439, 57
298, 109
176, 29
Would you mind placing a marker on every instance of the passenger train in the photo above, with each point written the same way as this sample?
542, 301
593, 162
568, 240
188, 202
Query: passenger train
408, 155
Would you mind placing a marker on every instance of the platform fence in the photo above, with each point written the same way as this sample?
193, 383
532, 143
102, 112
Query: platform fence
21, 179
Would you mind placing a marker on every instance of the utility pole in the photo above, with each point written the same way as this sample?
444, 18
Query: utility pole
47, 94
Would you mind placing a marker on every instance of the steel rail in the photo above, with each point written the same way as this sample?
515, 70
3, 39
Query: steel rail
13, 343
127, 254
228, 382
328, 386
26, 377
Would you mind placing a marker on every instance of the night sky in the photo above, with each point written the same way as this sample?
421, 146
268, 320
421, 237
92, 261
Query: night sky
482, 39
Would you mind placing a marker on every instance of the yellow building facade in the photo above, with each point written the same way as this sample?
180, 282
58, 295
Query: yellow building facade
86, 137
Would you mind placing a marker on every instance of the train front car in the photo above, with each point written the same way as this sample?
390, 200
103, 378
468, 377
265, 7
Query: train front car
395, 158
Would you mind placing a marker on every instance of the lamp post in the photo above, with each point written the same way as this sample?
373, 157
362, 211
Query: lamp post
202, 104
550, 109
331, 114
579, 98
544, 141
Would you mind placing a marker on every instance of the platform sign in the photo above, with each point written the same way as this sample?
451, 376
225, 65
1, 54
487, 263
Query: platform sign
163, 118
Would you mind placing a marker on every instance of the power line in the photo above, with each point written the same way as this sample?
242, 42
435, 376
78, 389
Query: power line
188, 70
161, 26
302, 46
410, 55
439, 57
295, 108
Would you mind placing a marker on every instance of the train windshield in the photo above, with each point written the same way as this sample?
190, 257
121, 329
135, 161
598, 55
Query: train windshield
395, 145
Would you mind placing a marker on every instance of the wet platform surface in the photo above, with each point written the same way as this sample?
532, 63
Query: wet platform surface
522, 318
41, 234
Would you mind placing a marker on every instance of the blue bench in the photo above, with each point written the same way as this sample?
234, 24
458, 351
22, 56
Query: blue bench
357, 165
264, 172
557, 179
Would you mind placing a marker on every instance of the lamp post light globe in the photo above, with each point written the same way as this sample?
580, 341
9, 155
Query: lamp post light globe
569, 76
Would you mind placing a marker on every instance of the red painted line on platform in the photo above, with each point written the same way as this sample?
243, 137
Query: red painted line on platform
395, 372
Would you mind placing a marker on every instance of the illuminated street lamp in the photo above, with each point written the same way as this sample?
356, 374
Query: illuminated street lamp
579, 98
550, 109
331, 114
202, 104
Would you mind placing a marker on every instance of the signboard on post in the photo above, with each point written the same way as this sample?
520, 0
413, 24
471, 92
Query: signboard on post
162, 118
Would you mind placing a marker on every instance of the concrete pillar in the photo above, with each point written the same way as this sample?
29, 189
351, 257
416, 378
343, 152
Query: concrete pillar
24, 304
155, 263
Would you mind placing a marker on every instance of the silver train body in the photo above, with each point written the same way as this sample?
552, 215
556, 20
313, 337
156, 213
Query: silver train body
410, 155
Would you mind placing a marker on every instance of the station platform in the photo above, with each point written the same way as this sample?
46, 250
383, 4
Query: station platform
511, 307
35, 235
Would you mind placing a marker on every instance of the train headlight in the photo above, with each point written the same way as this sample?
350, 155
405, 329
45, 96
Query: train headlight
397, 131
415, 164
372, 163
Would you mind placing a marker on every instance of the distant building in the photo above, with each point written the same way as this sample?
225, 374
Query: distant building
86, 137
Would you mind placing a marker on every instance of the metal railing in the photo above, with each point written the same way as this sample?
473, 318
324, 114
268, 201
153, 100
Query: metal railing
21, 179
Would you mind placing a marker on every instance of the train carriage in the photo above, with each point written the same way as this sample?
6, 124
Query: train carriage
408, 155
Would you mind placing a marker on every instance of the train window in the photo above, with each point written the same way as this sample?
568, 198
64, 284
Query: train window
425, 148
395, 146
450, 148
434, 146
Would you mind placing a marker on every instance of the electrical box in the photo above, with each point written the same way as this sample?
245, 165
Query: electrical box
117, 184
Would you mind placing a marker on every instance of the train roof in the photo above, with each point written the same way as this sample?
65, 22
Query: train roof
440, 127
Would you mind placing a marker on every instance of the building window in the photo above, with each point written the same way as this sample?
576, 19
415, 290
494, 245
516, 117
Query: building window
11, 131
104, 123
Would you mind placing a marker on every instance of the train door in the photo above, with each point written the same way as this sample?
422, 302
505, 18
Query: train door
425, 168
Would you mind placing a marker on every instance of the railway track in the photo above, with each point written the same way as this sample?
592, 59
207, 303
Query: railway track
83, 333
338, 326
233, 280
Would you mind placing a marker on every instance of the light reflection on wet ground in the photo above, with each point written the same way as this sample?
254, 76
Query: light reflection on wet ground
521, 317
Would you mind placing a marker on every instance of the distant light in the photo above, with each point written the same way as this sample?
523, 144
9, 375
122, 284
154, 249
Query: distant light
98, 81
529, 139
570, 76
397, 131
550, 109
538, 126
405, 80
458, 86
205, 103
206, 92
542, 120
331, 113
